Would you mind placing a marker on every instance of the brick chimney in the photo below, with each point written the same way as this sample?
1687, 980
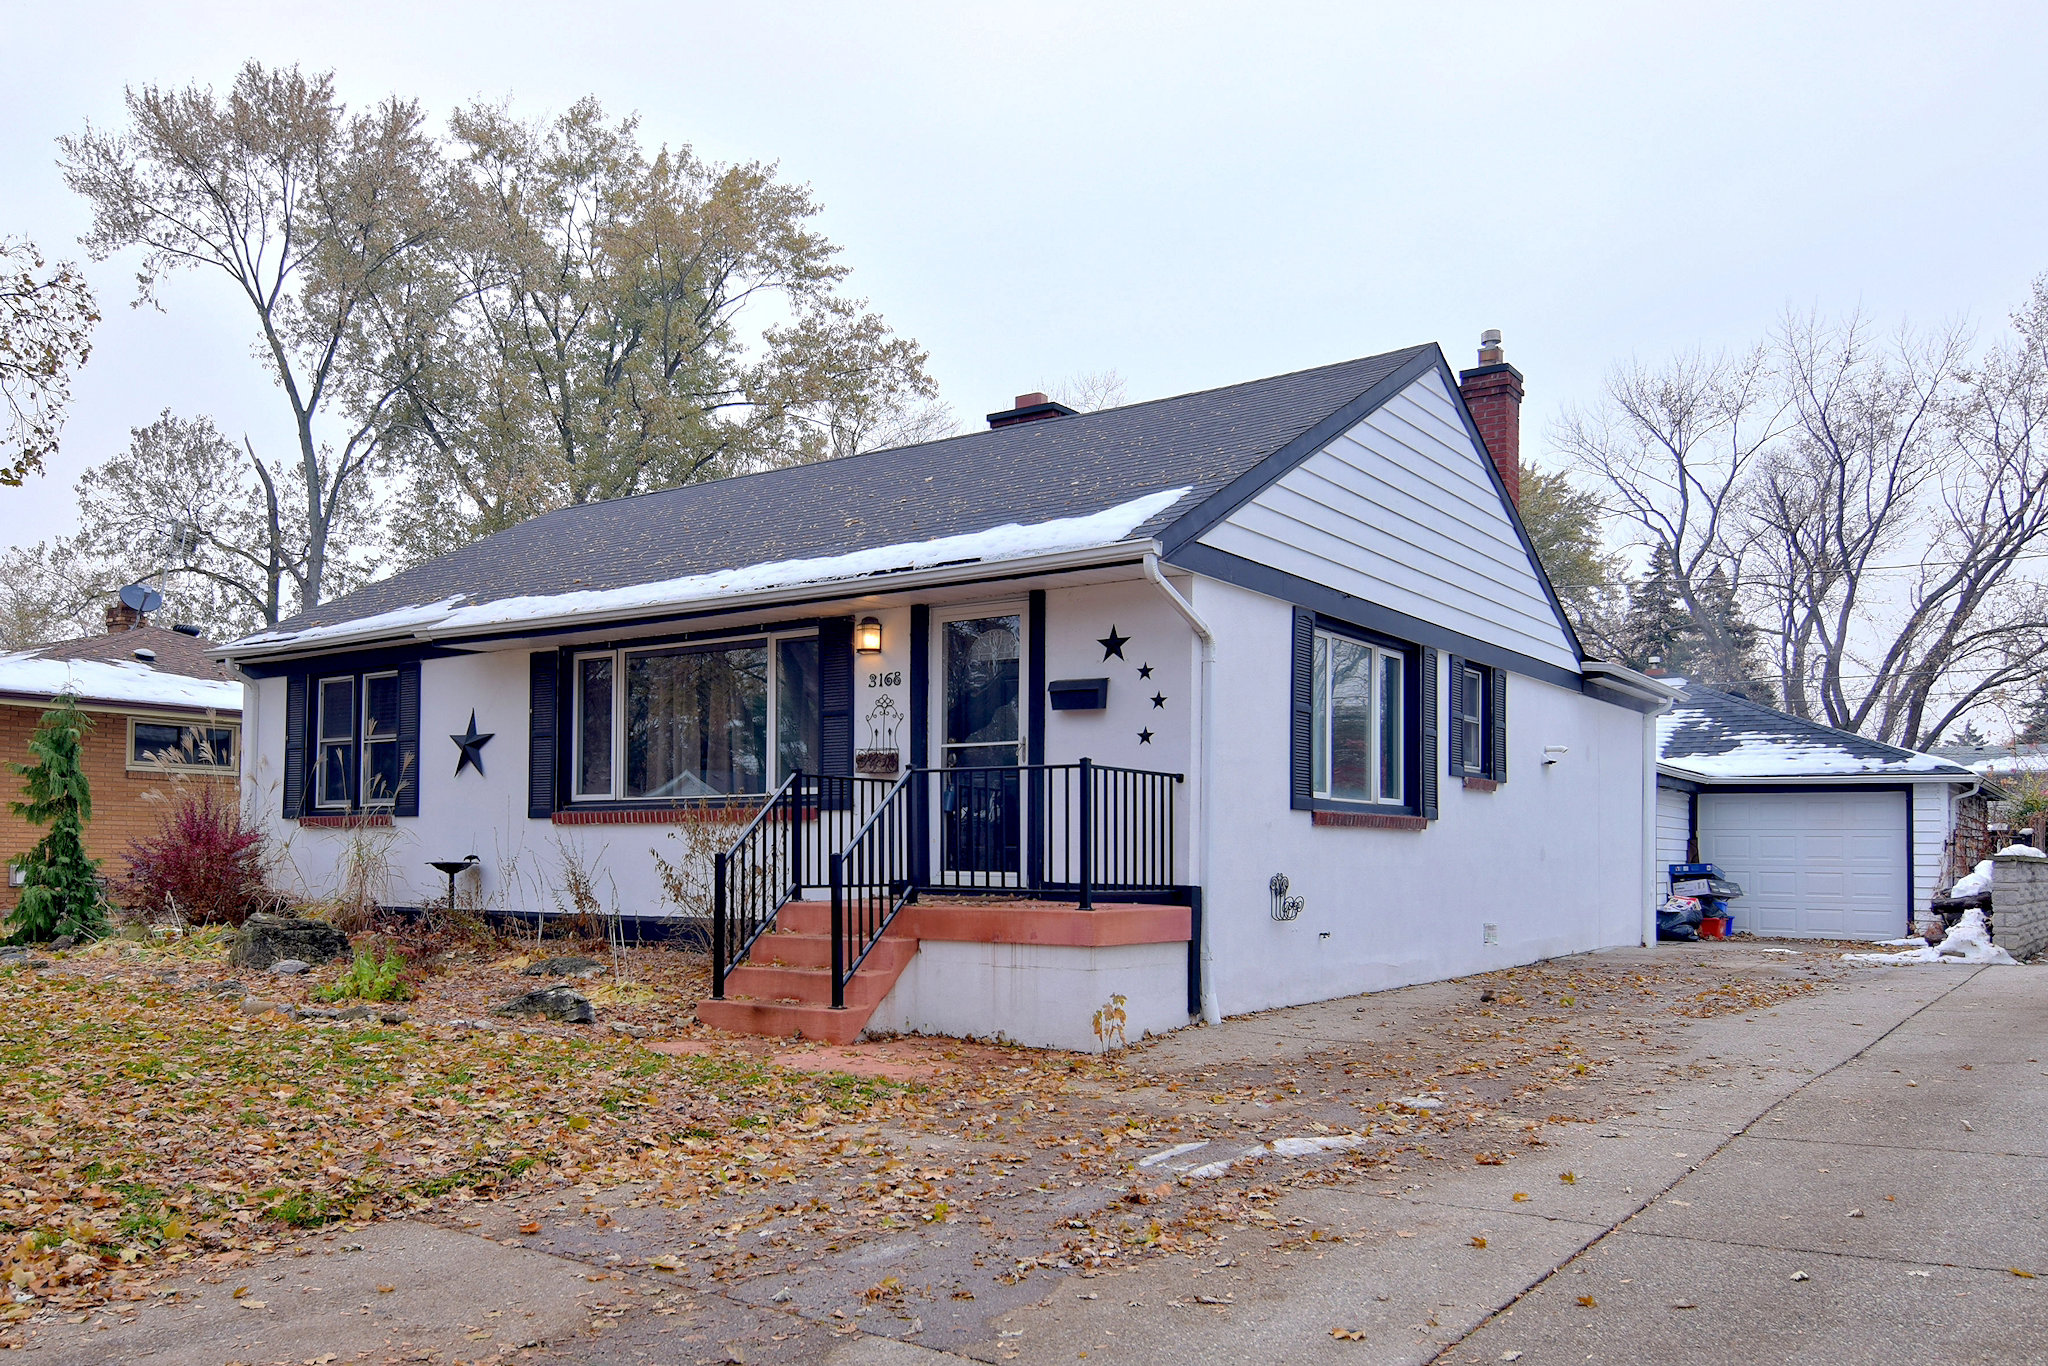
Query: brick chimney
1493, 394
122, 617
1030, 408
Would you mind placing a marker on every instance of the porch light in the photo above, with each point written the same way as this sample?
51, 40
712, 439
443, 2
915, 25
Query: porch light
867, 636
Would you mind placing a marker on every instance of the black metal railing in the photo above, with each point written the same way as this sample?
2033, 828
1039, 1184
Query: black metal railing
871, 881
784, 849
1053, 831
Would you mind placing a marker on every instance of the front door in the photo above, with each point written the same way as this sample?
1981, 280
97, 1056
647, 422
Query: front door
981, 744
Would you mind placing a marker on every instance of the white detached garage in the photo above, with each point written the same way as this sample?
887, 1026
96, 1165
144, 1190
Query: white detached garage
1832, 836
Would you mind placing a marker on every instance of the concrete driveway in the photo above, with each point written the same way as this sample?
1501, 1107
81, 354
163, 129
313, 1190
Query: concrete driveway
1857, 1180
1852, 1176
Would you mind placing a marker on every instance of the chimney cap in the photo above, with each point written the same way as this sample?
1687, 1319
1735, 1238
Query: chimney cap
1031, 407
1490, 337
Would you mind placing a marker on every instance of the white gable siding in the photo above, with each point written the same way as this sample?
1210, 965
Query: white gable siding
1401, 511
1674, 834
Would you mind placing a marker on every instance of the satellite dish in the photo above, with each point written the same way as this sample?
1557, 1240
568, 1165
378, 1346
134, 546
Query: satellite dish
138, 598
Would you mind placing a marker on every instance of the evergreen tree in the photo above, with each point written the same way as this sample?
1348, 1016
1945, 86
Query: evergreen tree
1656, 629
2033, 726
1968, 735
62, 891
1723, 648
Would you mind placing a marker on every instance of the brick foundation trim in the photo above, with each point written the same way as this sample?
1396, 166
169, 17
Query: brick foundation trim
1482, 785
372, 821
665, 815
1370, 820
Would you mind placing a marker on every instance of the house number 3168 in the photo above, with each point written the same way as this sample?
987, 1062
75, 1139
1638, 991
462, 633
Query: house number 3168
891, 679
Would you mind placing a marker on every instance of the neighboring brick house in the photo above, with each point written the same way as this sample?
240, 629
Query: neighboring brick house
159, 706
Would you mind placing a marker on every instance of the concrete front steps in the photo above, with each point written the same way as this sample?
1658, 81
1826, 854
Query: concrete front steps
785, 986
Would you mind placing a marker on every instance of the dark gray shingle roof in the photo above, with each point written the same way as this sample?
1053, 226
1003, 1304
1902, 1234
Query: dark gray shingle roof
1029, 473
1713, 736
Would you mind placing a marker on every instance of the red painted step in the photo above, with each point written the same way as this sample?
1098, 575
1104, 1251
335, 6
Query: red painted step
785, 986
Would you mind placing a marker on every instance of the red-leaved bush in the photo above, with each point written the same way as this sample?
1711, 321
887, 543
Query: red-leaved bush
204, 861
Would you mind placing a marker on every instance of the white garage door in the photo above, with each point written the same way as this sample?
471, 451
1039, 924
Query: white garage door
1816, 865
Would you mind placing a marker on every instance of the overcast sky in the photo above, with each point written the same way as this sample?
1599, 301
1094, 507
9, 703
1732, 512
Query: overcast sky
1191, 194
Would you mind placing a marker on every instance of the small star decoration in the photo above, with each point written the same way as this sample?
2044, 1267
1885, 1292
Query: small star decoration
1145, 736
1158, 700
472, 747
1113, 644
1144, 670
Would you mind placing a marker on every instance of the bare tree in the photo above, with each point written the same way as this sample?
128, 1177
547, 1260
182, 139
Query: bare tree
615, 321
1892, 524
1090, 391
311, 211
46, 319
1670, 450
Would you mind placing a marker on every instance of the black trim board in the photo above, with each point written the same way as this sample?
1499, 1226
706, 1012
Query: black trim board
1218, 506
1369, 616
348, 661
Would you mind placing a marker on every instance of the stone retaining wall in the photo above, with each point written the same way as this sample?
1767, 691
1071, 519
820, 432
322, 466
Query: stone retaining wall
2019, 905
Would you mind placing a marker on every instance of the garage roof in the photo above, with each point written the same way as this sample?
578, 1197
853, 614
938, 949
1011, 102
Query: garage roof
1713, 737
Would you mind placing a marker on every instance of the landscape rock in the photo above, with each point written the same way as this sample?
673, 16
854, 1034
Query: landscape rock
357, 1012
265, 939
63, 942
227, 987
551, 1003
572, 966
256, 1005
289, 967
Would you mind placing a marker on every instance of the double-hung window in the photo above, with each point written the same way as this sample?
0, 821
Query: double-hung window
675, 722
1478, 722
335, 760
352, 743
1358, 725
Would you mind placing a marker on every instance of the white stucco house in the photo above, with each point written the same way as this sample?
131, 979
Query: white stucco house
1831, 835
1232, 700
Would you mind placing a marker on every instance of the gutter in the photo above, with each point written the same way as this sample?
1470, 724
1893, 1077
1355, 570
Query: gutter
945, 575
1212, 1012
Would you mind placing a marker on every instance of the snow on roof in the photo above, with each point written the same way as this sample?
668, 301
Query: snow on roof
1716, 737
1010, 541
26, 673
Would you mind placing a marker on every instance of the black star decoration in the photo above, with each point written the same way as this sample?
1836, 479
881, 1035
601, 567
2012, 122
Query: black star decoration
472, 747
1113, 644
1145, 736
1144, 671
1158, 700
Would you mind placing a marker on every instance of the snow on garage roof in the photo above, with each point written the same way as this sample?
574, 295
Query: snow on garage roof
1714, 737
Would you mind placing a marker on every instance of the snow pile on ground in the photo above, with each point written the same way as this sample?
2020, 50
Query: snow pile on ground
1969, 942
2018, 851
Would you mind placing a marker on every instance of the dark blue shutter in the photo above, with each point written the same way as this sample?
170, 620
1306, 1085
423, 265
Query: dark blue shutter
1427, 760
1497, 751
542, 693
1302, 720
1456, 718
408, 796
835, 700
294, 746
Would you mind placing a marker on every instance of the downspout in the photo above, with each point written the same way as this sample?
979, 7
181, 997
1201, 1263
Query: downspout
1199, 872
1649, 891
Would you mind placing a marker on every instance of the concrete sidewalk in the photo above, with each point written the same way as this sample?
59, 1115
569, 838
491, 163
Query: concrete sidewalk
1679, 1237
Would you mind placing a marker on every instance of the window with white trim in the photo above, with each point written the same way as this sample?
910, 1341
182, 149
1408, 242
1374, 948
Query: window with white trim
334, 757
707, 719
1358, 726
177, 747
